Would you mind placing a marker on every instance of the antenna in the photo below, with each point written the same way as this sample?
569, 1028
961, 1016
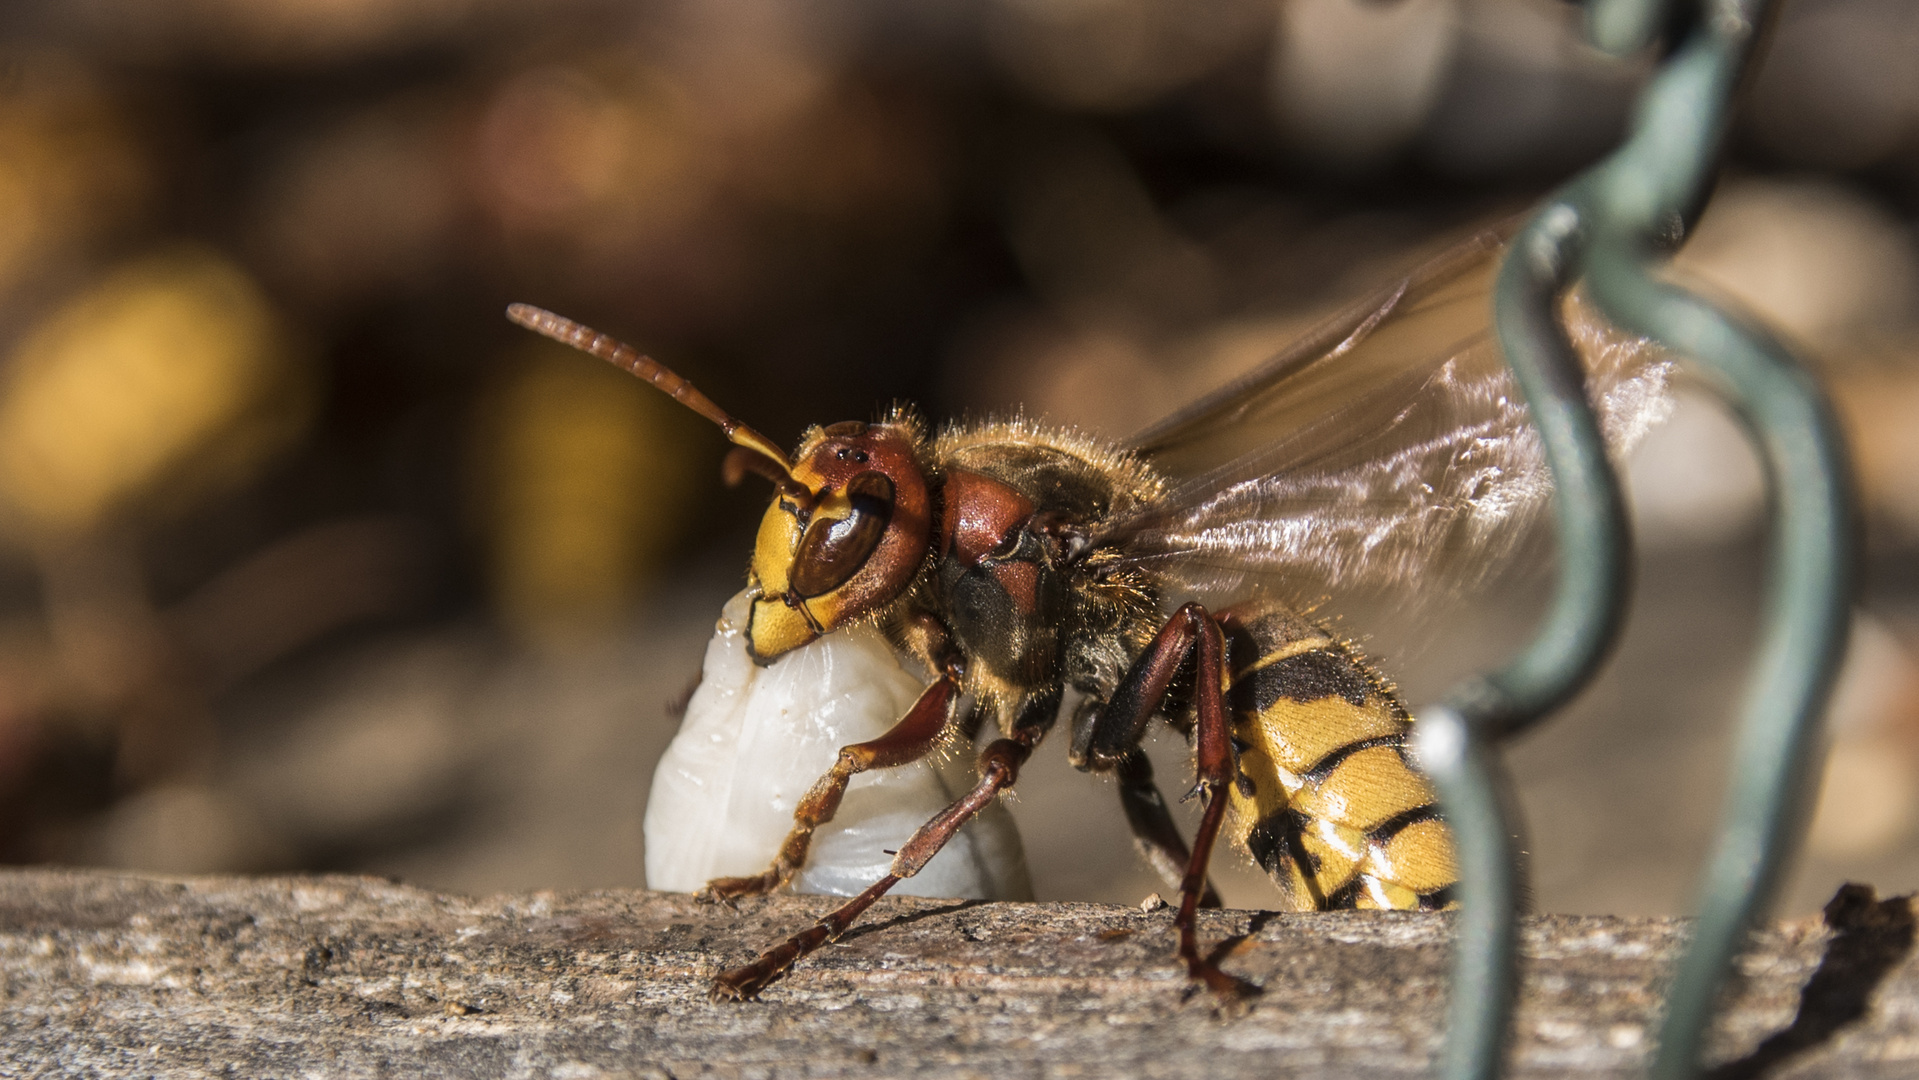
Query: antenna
619, 354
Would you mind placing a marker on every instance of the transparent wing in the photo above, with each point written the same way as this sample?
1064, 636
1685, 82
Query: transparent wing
1388, 448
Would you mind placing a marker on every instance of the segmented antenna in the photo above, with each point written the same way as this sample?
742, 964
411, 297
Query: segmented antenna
619, 354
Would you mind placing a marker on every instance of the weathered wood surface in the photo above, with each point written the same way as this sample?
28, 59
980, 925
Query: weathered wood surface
115, 975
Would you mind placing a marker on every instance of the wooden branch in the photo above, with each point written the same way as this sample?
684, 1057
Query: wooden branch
117, 975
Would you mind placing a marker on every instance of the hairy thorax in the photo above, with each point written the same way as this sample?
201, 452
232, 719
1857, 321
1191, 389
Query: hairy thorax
1029, 619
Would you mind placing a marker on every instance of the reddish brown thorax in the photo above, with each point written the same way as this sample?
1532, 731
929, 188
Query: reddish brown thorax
980, 515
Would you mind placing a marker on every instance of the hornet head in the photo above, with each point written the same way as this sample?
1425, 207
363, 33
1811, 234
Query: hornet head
851, 518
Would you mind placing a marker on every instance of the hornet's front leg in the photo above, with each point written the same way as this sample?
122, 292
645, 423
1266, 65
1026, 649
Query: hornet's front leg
1110, 741
912, 738
999, 767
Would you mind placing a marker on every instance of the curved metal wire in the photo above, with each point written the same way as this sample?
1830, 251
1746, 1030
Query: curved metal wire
1456, 738
1655, 180
1612, 223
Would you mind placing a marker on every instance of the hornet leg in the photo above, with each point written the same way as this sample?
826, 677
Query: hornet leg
915, 736
999, 767
1154, 833
1113, 735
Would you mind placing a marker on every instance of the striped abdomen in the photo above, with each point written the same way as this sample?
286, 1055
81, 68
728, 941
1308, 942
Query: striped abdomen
1337, 817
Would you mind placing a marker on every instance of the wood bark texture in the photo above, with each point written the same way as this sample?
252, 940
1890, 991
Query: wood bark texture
120, 975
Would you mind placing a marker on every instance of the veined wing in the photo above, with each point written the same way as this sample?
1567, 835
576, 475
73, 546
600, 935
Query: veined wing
1388, 447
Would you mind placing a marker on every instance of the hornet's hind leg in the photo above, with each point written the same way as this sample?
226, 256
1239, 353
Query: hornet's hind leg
1111, 736
1155, 834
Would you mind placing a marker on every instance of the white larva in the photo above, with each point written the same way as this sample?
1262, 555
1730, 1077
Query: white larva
755, 739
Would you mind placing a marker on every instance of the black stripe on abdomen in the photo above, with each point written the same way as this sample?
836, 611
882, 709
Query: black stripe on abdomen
1324, 767
1308, 676
1347, 895
1384, 832
1275, 839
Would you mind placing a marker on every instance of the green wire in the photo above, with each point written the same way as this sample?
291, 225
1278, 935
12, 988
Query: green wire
1611, 224
1455, 739
1654, 181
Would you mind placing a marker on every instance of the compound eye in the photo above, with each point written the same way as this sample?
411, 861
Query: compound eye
833, 549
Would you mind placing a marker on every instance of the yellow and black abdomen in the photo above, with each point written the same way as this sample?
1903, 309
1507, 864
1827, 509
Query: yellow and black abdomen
1336, 815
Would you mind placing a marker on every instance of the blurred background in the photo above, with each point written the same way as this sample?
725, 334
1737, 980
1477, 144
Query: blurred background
310, 561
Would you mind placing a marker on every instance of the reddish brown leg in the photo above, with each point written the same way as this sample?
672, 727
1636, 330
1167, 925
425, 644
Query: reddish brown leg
1154, 832
1119, 724
1113, 735
915, 736
1214, 768
999, 767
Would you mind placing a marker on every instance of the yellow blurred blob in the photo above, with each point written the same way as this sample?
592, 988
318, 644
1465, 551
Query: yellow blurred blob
171, 361
586, 476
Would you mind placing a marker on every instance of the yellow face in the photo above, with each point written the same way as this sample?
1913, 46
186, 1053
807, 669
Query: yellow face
855, 547
777, 626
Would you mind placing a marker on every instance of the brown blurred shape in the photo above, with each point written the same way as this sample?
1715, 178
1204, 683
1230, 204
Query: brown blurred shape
1110, 55
70, 172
